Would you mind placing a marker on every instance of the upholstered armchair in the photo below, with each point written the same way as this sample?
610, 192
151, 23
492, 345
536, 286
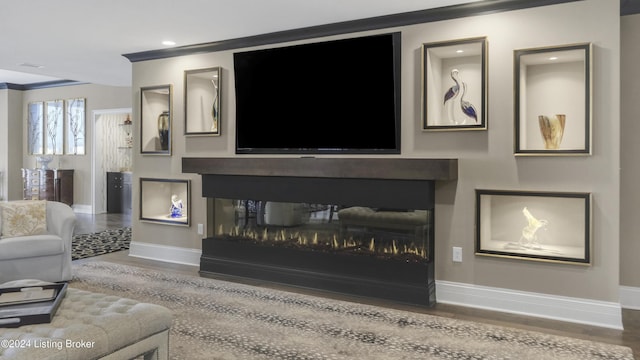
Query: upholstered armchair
35, 240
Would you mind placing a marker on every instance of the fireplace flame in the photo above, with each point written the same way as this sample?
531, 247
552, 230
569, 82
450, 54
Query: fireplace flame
395, 247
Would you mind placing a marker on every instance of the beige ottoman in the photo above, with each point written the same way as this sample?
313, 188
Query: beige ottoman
92, 326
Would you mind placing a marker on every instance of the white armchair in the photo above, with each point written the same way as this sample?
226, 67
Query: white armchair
44, 257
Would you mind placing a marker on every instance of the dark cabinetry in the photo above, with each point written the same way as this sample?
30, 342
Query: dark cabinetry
63, 186
49, 184
119, 192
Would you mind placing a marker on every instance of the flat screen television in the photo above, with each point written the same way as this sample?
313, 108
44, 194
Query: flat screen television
332, 97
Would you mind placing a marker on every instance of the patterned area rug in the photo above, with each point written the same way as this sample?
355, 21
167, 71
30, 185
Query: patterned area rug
221, 320
108, 241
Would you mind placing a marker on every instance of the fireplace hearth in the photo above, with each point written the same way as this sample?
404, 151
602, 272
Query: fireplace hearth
356, 226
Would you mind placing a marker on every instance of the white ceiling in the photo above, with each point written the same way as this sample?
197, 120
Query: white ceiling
83, 40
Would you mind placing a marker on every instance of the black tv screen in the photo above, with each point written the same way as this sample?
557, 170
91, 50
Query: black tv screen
339, 96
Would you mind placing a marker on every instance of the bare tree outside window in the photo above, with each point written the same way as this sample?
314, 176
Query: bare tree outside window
54, 125
75, 127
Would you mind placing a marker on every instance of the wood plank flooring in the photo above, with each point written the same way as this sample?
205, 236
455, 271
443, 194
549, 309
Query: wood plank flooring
630, 336
92, 223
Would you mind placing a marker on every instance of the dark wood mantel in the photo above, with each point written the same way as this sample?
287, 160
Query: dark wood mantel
356, 168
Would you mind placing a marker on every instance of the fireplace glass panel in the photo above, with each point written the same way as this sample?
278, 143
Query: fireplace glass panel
393, 234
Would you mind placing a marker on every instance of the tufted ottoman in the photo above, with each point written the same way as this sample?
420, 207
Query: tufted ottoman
92, 326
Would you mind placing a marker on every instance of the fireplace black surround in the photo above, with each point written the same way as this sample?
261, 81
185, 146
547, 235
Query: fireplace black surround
380, 210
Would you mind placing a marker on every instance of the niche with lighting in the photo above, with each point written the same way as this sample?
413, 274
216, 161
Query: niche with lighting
165, 201
553, 100
202, 101
156, 119
454, 85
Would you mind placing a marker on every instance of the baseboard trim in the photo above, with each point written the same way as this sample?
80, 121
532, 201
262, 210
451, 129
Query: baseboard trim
576, 310
630, 297
82, 209
171, 254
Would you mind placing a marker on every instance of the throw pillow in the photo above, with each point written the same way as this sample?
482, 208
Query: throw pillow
23, 218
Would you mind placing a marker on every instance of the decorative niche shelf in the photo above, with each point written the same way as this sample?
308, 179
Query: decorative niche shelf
156, 118
202, 101
165, 201
553, 88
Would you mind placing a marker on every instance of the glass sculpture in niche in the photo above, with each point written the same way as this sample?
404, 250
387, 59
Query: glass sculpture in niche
214, 108
392, 234
467, 109
552, 129
529, 239
176, 210
163, 130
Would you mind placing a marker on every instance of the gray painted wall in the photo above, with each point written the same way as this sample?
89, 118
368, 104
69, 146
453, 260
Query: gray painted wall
97, 97
486, 158
11, 121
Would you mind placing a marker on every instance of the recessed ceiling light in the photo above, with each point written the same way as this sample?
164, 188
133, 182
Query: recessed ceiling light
553, 58
168, 43
459, 51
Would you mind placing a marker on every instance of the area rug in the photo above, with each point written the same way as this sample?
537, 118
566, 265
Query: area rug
100, 243
216, 319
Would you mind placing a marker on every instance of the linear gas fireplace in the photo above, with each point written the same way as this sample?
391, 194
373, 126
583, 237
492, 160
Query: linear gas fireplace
391, 234
355, 226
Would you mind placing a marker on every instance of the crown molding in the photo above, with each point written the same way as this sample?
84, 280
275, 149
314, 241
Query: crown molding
39, 85
375, 23
11, 86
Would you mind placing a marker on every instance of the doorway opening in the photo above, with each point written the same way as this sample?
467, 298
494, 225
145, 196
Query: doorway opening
112, 153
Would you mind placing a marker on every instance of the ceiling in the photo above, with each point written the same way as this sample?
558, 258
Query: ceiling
83, 40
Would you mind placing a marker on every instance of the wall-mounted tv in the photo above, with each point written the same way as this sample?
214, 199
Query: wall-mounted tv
332, 97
